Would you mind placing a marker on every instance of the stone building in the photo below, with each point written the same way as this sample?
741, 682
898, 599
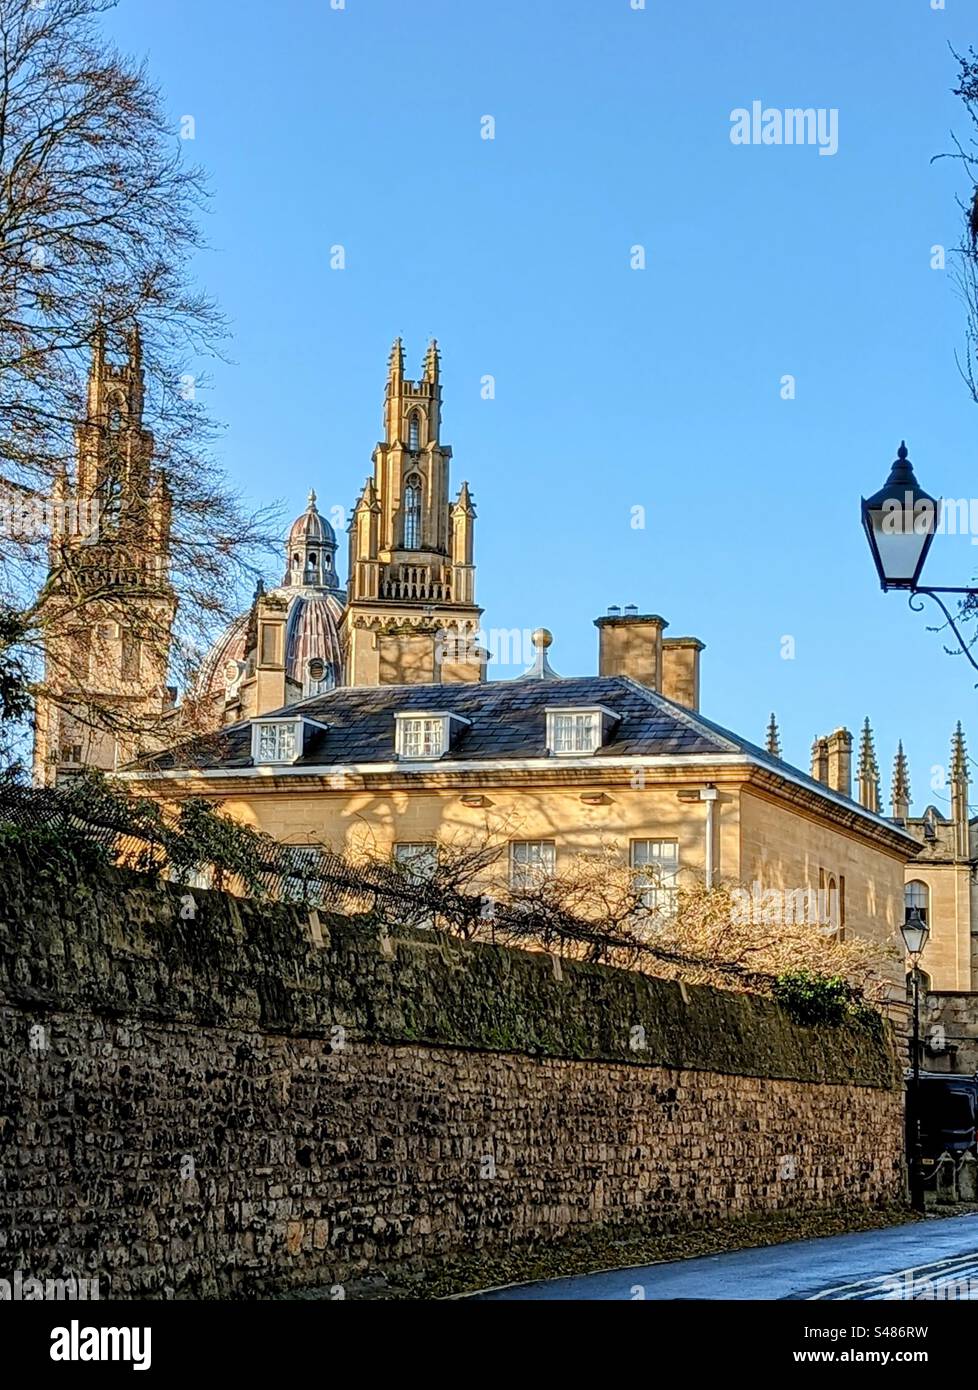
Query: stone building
560, 766
408, 612
408, 615
111, 614
333, 710
941, 881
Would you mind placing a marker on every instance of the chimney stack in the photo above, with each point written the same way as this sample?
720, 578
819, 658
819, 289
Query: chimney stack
681, 670
270, 666
631, 644
840, 761
832, 761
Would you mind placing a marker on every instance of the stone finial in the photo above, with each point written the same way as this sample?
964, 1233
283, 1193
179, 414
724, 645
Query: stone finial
773, 741
463, 502
432, 361
959, 755
134, 344
868, 771
395, 363
959, 794
900, 789
542, 639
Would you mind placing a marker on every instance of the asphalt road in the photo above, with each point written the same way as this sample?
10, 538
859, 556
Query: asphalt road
933, 1259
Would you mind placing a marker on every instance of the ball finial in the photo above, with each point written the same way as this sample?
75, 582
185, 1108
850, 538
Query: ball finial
543, 637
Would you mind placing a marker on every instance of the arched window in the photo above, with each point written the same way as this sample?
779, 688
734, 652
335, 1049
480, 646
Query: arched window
412, 514
414, 432
917, 894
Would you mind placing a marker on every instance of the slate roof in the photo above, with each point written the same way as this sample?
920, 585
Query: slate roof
507, 720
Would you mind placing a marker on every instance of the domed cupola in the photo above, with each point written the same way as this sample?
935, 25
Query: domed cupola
310, 551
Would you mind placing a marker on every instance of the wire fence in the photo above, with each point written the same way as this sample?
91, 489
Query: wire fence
143, 835
194, 844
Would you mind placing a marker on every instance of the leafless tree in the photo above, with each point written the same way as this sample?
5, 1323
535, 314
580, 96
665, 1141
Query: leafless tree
99, 221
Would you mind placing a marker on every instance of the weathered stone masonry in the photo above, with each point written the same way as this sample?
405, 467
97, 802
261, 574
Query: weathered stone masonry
219, 1105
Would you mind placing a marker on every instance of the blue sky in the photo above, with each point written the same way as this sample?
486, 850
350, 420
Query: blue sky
615, 388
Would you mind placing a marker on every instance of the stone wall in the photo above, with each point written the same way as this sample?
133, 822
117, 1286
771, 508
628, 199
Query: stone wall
949, 1028
202, 1096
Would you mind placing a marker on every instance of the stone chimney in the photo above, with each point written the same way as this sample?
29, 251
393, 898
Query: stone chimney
840, 761
270, 657
630, 644
681, 670
832, 761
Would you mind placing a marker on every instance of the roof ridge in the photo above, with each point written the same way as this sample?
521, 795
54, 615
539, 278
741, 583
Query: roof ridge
691, 718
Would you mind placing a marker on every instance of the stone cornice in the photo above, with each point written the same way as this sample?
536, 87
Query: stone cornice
731, 771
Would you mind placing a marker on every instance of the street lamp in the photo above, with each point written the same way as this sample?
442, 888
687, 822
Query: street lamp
915, 932
900, 522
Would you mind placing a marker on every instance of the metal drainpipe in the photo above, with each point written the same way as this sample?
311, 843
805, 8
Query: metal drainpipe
709, 795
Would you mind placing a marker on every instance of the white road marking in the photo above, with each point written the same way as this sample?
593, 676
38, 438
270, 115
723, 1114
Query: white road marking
957, 1276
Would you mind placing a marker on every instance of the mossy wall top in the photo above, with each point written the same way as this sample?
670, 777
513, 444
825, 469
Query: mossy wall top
117, 943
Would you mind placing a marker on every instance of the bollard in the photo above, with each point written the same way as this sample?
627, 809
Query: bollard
946, 1186
968, 1178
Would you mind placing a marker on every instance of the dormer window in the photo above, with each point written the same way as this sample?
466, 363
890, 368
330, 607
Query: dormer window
577, 731
421, 735
281, 740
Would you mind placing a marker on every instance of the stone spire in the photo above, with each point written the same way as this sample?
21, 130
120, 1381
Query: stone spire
959, 792
395, 363
432, 362
959, 754
134, 344
773, 740
900, 791
868, 771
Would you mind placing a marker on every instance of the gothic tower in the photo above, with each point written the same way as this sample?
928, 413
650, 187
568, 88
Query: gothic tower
109, 607
411, 615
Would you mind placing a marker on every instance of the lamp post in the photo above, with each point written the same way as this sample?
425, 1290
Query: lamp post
900, 522
915, 932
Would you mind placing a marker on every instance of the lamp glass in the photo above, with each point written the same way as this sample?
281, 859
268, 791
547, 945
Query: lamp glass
915, 932
899, 543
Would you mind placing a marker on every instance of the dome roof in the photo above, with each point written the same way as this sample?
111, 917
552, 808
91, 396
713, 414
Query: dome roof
310, 527
312, 633
230, 647
315, 604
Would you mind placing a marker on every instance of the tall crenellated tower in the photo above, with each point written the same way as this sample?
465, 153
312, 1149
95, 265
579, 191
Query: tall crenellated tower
411, 615
109, 607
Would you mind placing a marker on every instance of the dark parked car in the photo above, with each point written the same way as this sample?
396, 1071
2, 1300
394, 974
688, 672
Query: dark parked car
948, 1113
